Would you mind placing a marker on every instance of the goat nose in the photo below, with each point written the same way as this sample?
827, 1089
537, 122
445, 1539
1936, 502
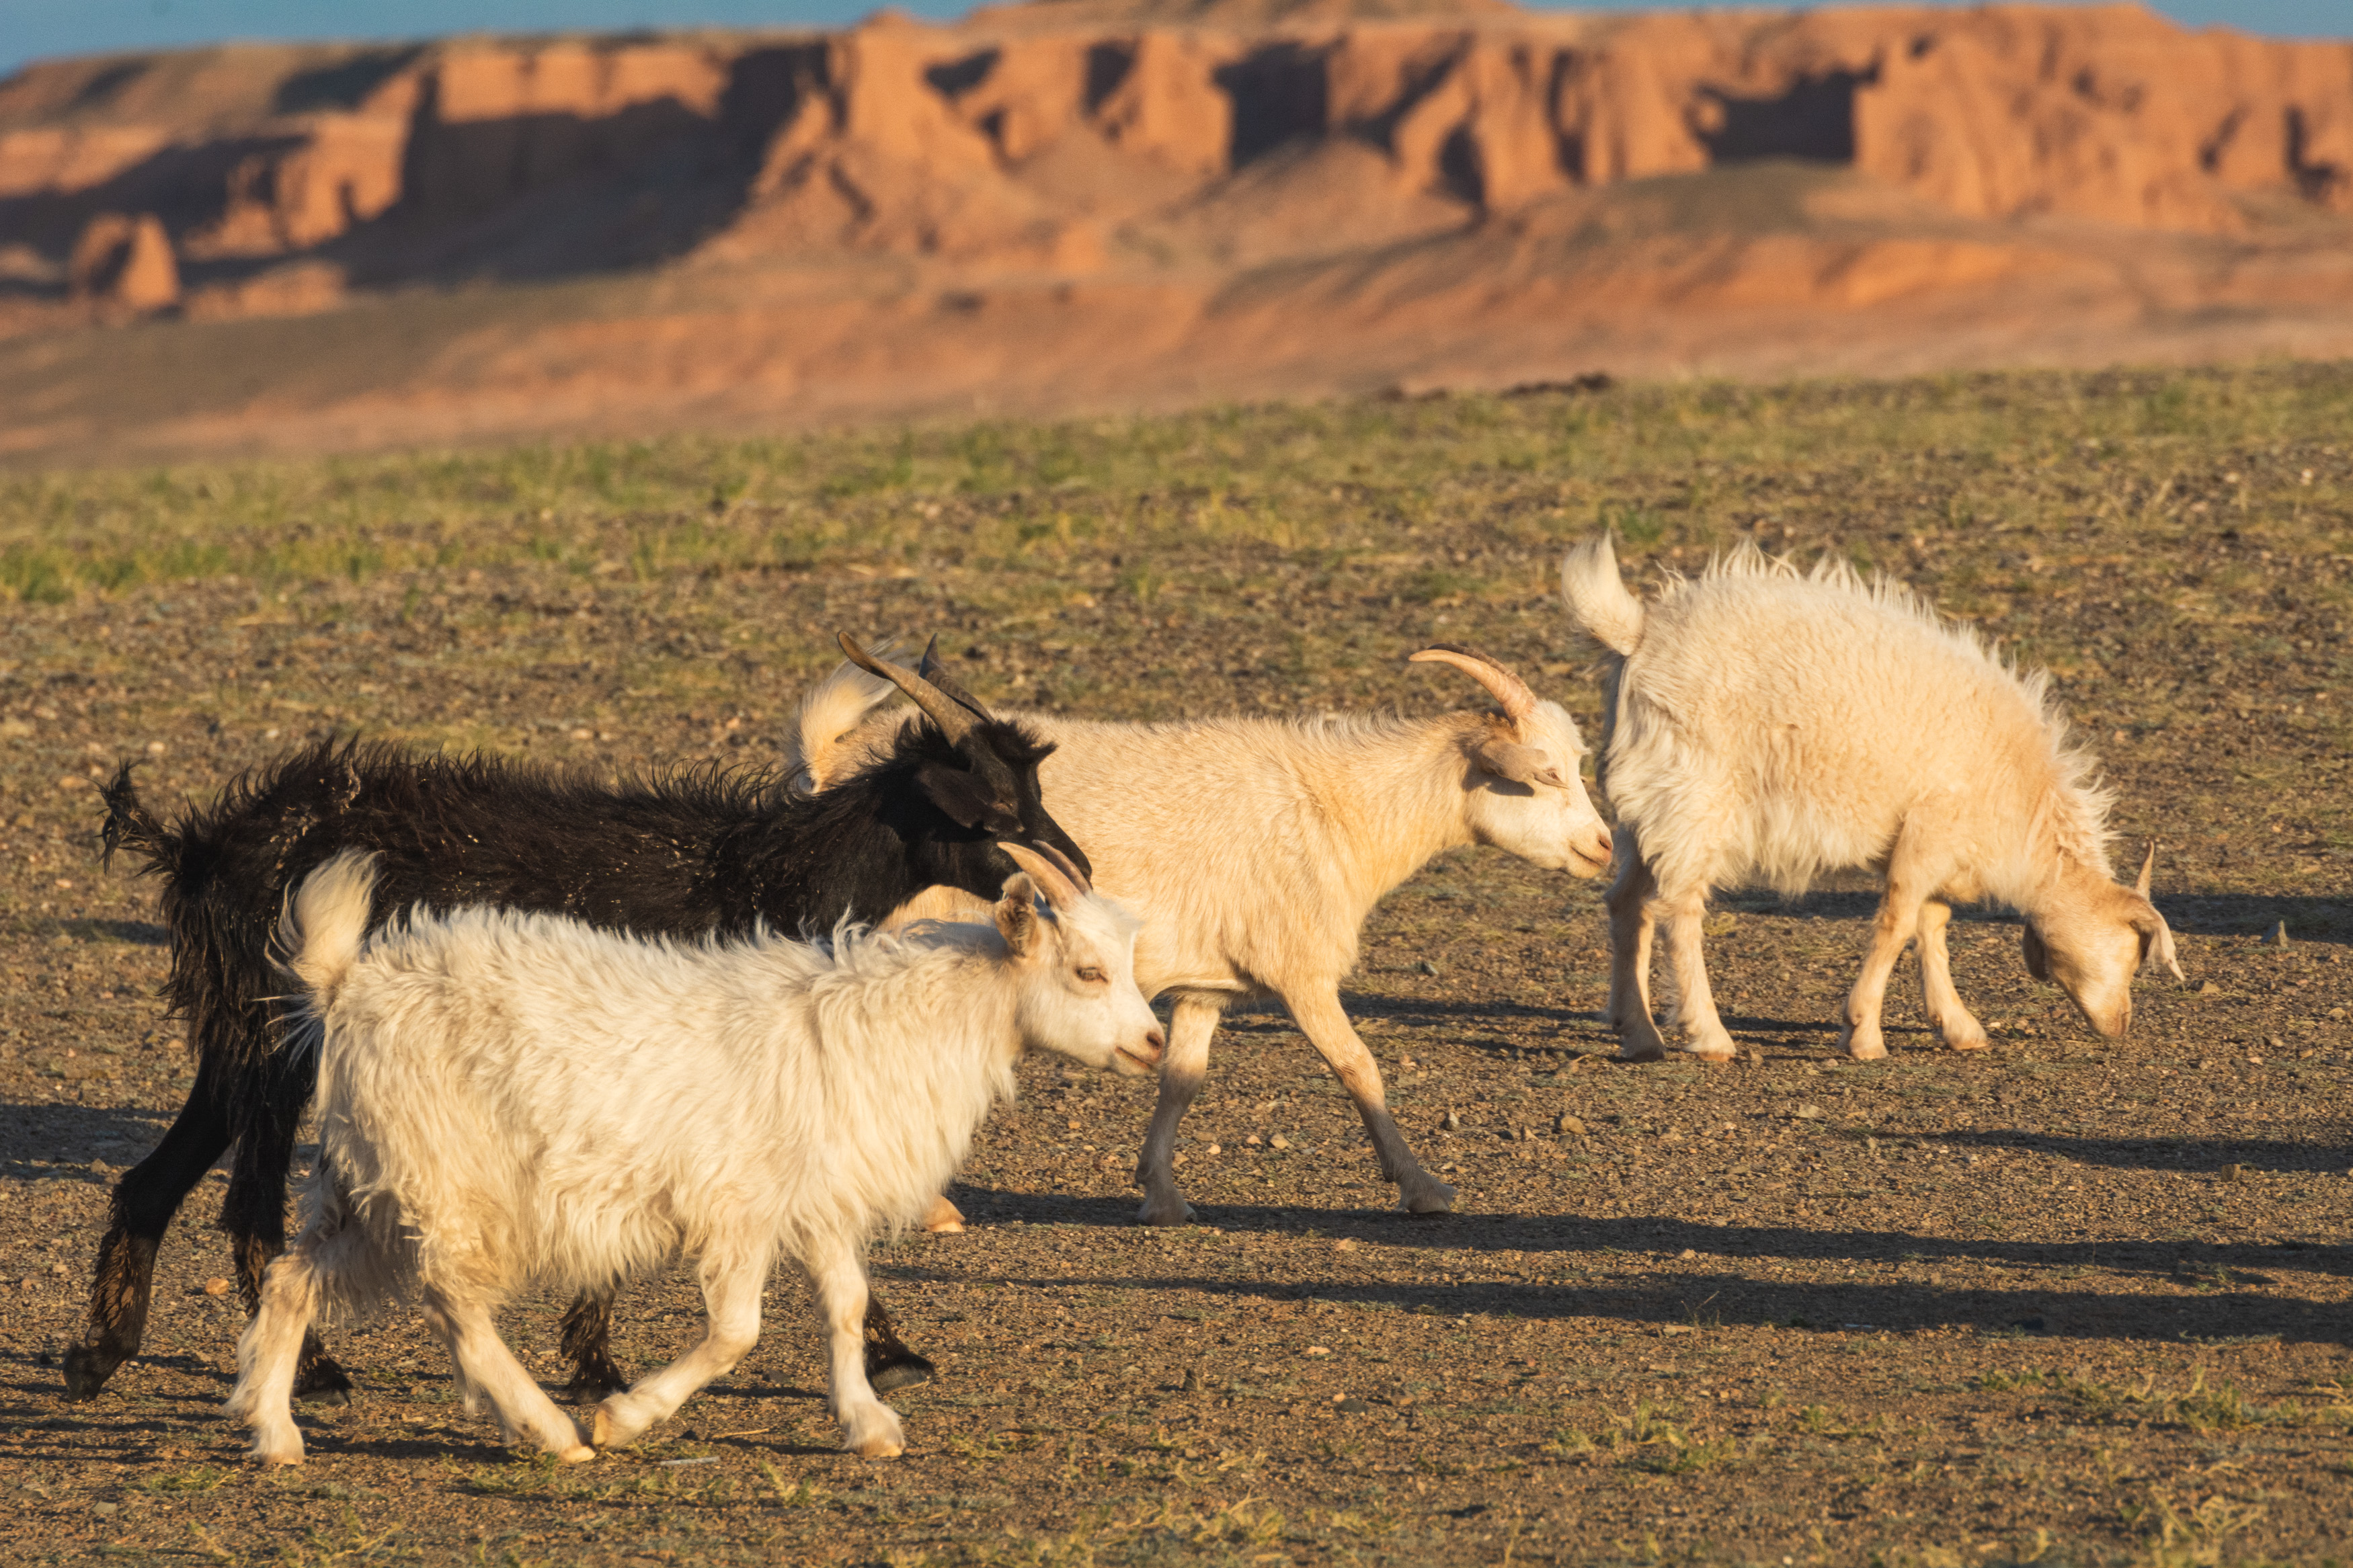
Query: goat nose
1158, 1041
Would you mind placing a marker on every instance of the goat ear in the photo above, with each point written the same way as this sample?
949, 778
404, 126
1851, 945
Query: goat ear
967, 801
2156, 938
1521, 765
1017, 916
2038, 957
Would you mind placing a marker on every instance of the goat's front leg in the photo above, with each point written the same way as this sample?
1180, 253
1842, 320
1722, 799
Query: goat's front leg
525, 1413
1319, 1015
1631, 922
732, 1277
1192, 1019
1694, 1001
1891, 929
1956, 1026
837, 1274
253, 1212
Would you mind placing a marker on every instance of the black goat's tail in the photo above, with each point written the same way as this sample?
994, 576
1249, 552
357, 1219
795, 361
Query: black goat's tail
128, 825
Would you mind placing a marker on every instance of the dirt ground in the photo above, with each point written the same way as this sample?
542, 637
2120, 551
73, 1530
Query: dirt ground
2065, 1301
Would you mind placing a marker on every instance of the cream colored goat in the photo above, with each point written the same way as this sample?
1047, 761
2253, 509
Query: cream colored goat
507, 1099
1252, 849
1766, 724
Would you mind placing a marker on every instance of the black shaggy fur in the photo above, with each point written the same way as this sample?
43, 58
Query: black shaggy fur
684, 852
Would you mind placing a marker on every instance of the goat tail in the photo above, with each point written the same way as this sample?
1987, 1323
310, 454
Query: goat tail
130, 826
820, 749
319, 935
1596, 596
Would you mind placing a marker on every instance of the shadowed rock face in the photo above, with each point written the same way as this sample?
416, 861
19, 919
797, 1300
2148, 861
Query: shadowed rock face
1159, 145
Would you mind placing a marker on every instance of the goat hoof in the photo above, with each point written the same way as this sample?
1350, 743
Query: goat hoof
578, 1454
87, 1370
1439, 1198
1643, 1053
1175, 1212
900, 1372
324, 1384
951, 1227
604, 1432
1977, 1042
881, 1449
593, 1381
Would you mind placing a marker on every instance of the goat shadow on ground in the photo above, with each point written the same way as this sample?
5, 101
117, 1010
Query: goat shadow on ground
2162, 1154
2213, 1316
75, 1132
1573, 1233
128, 934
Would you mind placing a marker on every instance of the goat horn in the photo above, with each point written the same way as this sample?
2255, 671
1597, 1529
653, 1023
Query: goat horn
953, 721
933, 670
1506, 688
1070, 868
1060, 890
2146, 865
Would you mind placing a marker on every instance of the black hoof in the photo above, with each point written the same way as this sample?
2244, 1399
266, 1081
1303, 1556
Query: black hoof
87, 1370
593, 1381
899, 1371
323, 1382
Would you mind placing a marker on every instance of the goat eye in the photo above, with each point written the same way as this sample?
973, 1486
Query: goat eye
1092, 975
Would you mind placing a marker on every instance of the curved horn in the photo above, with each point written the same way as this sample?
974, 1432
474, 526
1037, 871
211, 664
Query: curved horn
1059, 890
1070, 868
2146, 865
931, 669
1507, 688
953, 721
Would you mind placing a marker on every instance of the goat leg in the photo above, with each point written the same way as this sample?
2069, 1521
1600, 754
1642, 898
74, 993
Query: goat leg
1632, 923
889, 1363
586, 1344
254, 1215
145, 1199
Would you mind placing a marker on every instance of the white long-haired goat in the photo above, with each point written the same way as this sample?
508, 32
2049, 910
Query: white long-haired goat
1252, 849
1770, 724
507, 1099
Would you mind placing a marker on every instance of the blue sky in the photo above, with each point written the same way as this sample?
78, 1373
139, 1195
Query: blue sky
31, 28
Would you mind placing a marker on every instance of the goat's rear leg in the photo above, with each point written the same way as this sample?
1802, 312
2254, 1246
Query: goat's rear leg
267, 1353
890, 1363
253, 1213
1320, 1017
145, 1201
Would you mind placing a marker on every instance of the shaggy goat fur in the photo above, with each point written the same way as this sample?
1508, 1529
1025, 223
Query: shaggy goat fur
513, 1100
1253, 848
684, 852
1768, 724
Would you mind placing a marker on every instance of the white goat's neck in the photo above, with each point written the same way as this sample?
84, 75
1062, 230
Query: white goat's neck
1392, 797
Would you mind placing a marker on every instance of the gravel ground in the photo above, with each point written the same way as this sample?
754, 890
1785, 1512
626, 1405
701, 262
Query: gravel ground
2063, 1301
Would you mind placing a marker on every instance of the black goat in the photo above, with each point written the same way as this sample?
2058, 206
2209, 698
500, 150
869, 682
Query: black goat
687, 852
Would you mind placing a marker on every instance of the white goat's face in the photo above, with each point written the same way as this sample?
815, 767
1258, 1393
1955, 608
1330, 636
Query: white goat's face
1075, 960
1527, 795
2093, 944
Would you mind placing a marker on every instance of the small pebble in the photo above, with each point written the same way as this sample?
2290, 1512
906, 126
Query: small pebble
1454, 1122
2277, 936
1319, 1350
1565, 1122
1425, 967
216, 1287
1278, 1141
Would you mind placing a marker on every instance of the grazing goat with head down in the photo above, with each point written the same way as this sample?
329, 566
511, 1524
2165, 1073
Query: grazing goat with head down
686, 853
514, 1099
1771, 724
1252, 849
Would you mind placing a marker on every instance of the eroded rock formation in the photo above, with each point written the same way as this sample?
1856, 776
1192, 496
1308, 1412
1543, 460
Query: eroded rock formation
1266, 195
